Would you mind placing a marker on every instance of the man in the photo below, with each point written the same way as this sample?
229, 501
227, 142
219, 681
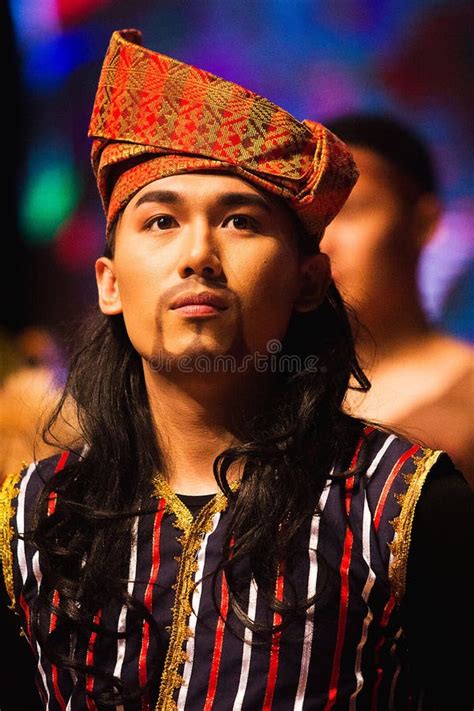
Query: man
422, 379
224, 537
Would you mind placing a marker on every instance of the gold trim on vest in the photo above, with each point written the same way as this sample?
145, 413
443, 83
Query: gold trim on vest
193, 533
8, 491
403, 523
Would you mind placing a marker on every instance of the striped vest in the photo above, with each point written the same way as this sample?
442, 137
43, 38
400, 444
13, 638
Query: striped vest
347, 652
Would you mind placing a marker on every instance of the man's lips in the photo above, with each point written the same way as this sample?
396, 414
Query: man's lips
203, 303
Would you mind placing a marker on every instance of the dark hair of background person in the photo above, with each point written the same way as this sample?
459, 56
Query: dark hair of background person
288, 452
392, 140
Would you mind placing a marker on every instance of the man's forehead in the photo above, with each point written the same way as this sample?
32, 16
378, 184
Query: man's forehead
198, 177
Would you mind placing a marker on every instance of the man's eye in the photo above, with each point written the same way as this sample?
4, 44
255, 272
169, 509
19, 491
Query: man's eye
242, 222
163, 222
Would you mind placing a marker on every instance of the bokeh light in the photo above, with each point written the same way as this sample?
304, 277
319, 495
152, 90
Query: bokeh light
51, 192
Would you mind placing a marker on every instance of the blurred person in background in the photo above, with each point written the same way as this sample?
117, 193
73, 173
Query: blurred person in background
422, 379
32, 379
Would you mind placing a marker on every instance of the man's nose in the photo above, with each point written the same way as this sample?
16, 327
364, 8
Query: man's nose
200, 253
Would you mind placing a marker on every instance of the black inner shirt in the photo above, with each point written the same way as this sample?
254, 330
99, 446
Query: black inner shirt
195, 503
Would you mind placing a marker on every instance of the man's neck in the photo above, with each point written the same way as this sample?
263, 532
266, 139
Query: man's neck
195, 420
390, 324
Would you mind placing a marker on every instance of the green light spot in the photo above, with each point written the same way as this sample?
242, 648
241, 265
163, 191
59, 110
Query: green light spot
51, 194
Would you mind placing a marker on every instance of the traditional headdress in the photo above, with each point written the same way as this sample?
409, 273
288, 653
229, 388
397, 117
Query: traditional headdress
154, 116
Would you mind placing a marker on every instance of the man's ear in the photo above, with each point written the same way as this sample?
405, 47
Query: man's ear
107, 286
315, 278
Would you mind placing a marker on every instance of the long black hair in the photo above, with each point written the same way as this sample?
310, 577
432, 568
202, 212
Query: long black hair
288, 451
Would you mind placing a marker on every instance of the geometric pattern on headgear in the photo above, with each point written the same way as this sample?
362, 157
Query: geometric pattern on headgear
154, 116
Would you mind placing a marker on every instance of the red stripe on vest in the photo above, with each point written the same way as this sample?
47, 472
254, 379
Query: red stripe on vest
89, 662
383, 496
54, 669
383, 623
218, 643
142, 671
344, 599
53, 497
275, 649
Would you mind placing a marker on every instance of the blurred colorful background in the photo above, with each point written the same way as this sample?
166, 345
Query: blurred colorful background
317, 59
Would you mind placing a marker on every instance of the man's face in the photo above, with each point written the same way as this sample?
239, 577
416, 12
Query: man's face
371, 237
197, 233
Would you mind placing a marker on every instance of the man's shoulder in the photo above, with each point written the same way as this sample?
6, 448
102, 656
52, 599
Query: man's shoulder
30, 479
386, 456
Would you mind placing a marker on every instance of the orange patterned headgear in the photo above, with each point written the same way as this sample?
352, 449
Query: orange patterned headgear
154, 116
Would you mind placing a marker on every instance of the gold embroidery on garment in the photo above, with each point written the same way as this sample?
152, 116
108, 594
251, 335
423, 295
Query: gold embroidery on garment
193, 533
174, 505
8, 491
403, 523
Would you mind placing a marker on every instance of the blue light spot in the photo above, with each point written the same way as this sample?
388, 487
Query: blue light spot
50, 62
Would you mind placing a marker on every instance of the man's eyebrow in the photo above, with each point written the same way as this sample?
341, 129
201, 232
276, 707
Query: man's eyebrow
166, 196
226, 200
244, 200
